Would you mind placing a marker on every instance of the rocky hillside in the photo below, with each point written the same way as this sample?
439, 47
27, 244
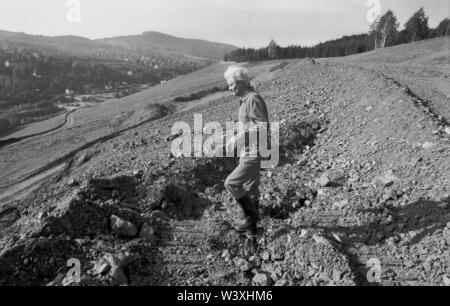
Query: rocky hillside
361, 195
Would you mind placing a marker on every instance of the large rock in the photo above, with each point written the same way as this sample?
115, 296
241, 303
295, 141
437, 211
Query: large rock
323, 180
321, 240
101, 268
386, 179
118, 262
242, 264
123, 228
118, 277
261, 279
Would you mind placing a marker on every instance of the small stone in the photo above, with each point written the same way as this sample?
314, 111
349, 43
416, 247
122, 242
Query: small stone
275, 273
42, 215
261, 279
324, 277
58, 280
138, 174
303, 233
72, 182
101, 268
277, 256
427, 266
242, 264
409, 263
386, 179
172, 137
337, 275
323, 180
147, 232
445, 278
255, 261
379, 235
311, 273
265, 256
115, 193
321, 240
79, 242
122, 228
225, 254
427, 145
443, 205
298, 276
336, 237
118, 276
322, 193
282, 283
68, 282
159, 214
447, 130
340, 204
388, 194
446, 235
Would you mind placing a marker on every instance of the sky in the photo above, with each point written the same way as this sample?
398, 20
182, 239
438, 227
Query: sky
243, 23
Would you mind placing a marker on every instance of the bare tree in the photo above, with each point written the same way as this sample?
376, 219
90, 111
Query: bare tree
417, 25
375, 32
384, 29
273, 49
389, 28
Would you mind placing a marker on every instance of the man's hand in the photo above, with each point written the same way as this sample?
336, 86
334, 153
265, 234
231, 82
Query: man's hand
231, 144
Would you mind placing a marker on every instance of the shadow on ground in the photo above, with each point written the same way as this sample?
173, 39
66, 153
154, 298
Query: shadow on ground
406, 225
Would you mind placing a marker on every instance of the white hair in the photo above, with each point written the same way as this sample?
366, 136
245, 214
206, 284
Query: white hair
235, 73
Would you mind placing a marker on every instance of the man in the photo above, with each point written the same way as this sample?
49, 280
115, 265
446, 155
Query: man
243, 182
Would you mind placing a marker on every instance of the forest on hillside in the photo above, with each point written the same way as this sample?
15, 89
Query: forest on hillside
384, 32
32, 81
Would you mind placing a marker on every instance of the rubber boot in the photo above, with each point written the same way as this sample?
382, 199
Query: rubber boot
258, 212
251, 216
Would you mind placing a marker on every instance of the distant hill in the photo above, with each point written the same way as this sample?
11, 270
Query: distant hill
159, 43
148, 44
61, 45
36, 70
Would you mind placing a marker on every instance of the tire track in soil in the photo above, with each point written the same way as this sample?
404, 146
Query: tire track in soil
420, 103
67, 123
53, 167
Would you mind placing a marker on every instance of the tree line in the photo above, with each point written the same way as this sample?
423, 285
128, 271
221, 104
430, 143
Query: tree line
384, 32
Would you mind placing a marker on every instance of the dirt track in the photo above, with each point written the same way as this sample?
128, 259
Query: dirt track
364, 179
68, 122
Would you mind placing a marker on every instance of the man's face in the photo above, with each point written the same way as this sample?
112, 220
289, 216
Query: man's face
236, 87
